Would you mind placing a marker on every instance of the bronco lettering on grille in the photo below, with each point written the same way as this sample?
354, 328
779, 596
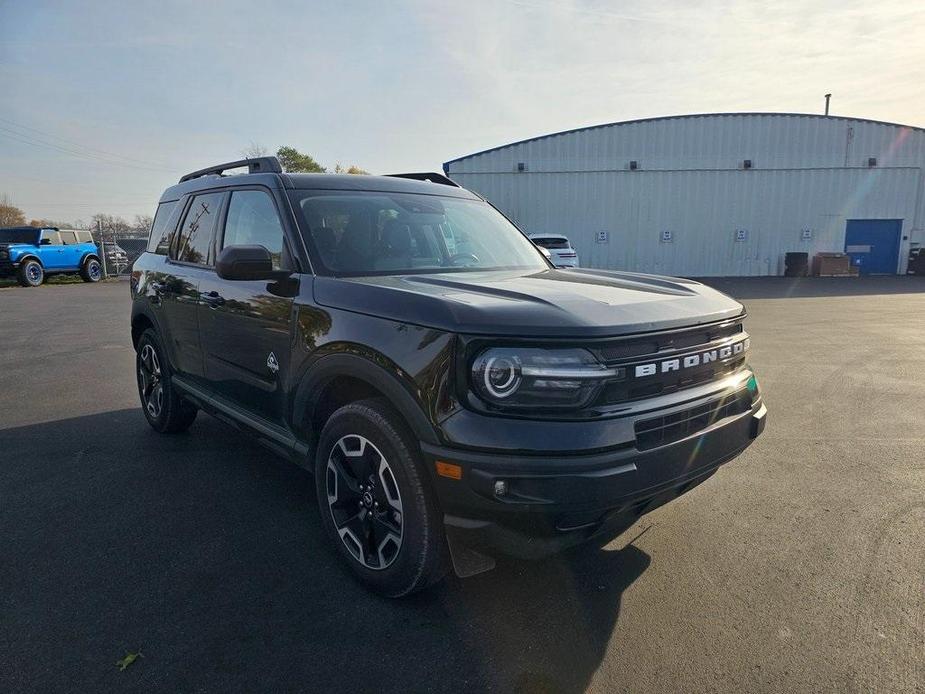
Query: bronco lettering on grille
692, 360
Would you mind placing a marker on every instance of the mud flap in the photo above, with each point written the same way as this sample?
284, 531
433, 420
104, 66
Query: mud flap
467, 561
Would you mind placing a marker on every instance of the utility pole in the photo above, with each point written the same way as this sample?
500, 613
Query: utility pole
99, 235
827, 97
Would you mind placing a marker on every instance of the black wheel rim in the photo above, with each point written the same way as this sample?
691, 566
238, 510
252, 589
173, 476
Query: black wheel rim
34, 273
149, 381
365, 502
93, 270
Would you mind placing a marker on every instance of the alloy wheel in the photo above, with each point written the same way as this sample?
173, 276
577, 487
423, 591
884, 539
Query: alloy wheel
365, 502
149, 381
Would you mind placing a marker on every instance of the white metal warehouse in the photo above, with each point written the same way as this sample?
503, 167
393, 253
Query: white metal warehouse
716, 194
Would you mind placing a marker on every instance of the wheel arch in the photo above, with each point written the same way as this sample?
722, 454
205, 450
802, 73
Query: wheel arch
140, 322
30, 256
89, 255
336, 380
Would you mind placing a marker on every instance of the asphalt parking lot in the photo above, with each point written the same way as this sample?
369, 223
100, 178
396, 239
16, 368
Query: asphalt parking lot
798, 567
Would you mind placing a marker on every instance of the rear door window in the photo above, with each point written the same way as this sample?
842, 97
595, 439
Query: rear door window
68, 238
195, 238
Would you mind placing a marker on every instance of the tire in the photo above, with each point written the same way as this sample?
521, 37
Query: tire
31, 273
393, 556
91, 270
165, 410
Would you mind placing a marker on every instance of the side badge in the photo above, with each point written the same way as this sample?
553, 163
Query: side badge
272, 364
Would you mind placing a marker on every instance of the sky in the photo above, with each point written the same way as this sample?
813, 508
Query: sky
105, 104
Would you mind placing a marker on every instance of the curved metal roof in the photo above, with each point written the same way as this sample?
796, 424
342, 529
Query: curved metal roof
446, 164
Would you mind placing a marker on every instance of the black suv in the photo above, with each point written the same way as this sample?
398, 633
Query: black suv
454, 394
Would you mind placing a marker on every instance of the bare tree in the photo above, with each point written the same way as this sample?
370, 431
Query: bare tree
10, 215
254, 150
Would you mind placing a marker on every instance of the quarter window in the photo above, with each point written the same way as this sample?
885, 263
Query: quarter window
163, 228
196, 233
252, 220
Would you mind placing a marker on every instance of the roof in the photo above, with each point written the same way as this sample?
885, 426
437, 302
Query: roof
446, 165
316, 181
389, 184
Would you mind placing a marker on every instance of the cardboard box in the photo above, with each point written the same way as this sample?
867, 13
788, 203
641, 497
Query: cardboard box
831, 265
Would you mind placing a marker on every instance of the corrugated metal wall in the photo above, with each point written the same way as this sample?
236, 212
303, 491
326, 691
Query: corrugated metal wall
690, 182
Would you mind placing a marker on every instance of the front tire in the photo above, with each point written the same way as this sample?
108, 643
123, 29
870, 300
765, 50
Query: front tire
91, 270
375, 500
165, 410
31, 273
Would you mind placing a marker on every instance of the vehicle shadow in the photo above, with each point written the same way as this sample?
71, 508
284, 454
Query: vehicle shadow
805, 287
204, 552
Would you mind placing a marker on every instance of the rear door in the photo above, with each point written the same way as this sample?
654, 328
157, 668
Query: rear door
246, 325
176, 285
70, 250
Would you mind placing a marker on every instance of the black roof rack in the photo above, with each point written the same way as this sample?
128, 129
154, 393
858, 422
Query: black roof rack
255, 165
430, 177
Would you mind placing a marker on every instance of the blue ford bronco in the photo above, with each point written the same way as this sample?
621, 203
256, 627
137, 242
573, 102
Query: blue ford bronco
455, 395
31, 254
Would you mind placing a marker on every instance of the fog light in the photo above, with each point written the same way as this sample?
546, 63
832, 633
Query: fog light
500, 488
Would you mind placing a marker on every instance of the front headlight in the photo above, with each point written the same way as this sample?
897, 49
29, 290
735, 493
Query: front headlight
537, 377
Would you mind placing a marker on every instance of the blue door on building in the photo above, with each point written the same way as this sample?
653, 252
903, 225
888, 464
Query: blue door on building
873, 245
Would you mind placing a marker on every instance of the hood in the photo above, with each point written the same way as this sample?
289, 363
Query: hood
549, 303
15, 246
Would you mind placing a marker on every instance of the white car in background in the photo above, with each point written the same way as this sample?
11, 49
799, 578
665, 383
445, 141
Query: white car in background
560, 249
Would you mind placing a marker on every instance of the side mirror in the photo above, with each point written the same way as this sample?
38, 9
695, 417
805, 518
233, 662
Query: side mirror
245, 263
45, 242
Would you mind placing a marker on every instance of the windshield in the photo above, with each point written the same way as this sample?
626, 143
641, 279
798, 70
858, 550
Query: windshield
368, 233
18, 235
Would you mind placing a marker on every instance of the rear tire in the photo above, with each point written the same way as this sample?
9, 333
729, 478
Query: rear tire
91, 270
31, 273
375, 500
166, 411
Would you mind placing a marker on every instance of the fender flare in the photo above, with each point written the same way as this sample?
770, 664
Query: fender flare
327, 368
30, 256
87, 256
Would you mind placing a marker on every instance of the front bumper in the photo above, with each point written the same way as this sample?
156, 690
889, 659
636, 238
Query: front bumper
551, 501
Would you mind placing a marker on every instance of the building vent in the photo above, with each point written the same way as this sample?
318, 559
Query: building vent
747, 164
521, 166
634, 165
871, 161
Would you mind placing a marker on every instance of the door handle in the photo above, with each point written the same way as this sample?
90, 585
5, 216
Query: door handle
213, 298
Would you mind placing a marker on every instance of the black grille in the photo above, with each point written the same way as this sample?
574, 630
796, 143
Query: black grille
652, 345
660, 431
663, 384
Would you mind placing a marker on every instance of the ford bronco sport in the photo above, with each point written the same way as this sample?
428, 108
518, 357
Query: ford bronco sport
31, 254
454, 394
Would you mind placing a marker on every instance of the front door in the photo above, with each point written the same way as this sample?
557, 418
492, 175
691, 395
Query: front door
51, 251
873, 245
246, 325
